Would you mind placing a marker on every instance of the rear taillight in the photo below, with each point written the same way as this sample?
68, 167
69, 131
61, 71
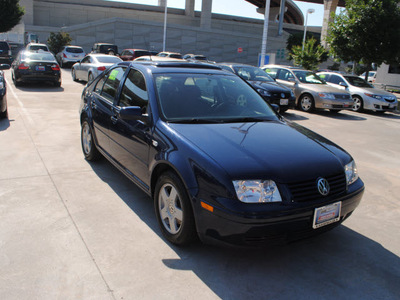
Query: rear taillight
64, 55
102, 68
23, 66
55, 67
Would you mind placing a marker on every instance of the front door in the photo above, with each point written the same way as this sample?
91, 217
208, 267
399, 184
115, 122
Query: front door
130, 139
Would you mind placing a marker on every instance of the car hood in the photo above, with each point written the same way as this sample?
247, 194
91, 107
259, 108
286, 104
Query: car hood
374, 91
275, 150
269, 86
322, 88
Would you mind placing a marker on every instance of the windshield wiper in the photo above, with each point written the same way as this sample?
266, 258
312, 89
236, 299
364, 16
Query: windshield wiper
247, 119
197, 121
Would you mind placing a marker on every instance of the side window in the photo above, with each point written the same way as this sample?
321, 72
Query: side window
336, 79
226, 68
113, 79
85, 60
272, 72
325, 77
134, 91
99, 85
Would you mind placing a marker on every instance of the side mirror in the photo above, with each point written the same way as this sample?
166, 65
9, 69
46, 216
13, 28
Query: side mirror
276, 108
291, 79
4, 66
131, 113
343, 84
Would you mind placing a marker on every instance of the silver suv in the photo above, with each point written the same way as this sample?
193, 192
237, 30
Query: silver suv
311, 91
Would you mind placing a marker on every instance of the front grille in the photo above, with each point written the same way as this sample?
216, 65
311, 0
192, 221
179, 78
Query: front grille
342, 96
308, 190
279, 95
391, 100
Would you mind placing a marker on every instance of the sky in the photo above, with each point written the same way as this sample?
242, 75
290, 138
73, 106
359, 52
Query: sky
241, 8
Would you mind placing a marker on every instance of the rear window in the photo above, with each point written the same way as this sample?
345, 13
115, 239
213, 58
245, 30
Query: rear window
141, 53
36, 47
41, 56
108, 59
105, 48
74, 50
175, 56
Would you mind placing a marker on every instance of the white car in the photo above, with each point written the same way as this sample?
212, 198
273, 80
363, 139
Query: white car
371, 76
364, 95
70, 55
37, 47
92, 65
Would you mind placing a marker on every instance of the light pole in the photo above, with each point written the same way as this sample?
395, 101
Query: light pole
165, 25
309, 11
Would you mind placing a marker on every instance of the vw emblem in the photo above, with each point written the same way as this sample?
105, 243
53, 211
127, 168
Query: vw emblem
323, 186
282, 95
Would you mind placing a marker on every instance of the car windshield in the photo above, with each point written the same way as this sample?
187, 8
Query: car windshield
108, 59
139, 53
252, 73
38, 56
74, 50
308, 77
358, 82
200, 57
206, 98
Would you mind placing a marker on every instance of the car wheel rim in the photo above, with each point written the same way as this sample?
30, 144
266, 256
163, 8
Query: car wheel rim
170, 208
86, 139
306, 103
73, 74
90, 77
356, 104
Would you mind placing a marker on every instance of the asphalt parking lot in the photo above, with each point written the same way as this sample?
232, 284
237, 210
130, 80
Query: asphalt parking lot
70, 229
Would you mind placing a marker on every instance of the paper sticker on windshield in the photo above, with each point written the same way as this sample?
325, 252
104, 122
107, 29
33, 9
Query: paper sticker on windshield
113, 75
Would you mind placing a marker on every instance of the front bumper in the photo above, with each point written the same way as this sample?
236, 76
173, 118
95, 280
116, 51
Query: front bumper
291, 223
373, 104
334, 104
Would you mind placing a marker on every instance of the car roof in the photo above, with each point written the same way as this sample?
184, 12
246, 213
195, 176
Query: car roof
134, 49
70, 46
174, 66
336, 73
156, 58
283, 67
235, 64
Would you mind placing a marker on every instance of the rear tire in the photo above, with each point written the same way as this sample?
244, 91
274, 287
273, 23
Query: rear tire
90, 77
87, 141
173, 210
4, 114
73, 74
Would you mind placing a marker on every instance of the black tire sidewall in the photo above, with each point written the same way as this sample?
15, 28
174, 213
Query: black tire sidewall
93, 153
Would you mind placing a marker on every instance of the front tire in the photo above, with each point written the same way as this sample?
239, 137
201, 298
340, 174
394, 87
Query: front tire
173, 210
358, 104
306, 103
87, 141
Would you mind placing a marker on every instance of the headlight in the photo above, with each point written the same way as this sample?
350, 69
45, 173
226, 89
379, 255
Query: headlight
327, 96
257, 191
264, 92
351, 172
373, 96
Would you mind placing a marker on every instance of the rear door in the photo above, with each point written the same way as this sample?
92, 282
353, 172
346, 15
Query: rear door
102, 101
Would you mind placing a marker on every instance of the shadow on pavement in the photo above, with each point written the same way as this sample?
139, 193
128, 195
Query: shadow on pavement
39, 87
5, 123
339, 115
387, 115
293, 116
338, 264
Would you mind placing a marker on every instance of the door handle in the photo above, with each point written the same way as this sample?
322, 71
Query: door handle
94, 105
114, 119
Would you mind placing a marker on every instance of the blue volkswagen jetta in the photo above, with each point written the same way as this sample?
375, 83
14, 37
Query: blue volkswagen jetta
218, 161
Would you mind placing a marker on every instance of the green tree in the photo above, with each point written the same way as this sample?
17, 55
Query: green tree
296, 39
10, 14
57, 40
311, 57
367, 31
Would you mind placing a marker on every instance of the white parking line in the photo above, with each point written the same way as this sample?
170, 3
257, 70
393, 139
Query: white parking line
20, 104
